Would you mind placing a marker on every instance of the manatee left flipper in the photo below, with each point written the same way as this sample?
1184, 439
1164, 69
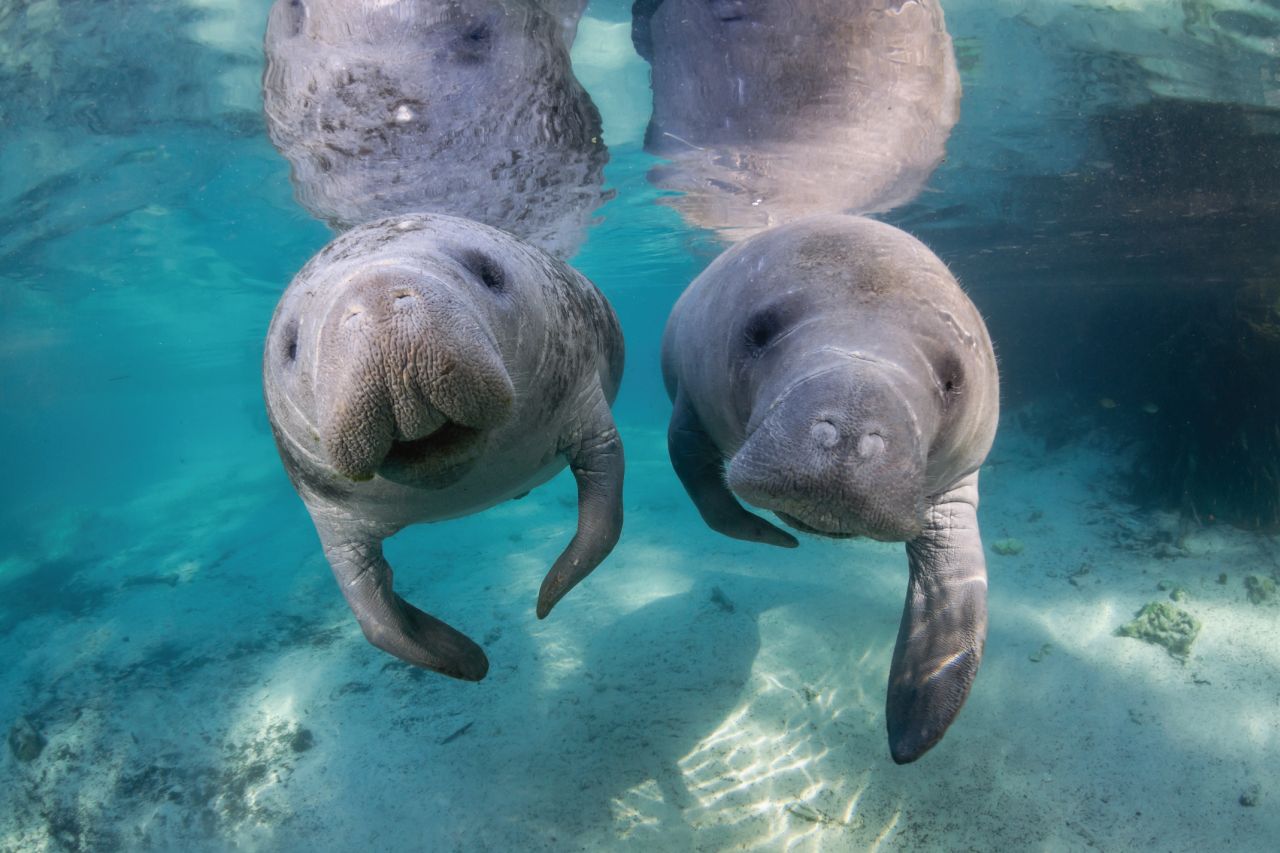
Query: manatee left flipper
595, 458
944, 624
700, 466
389, 622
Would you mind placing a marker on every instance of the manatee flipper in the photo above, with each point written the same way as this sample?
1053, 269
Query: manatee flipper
595, 458
700, 467
391, 623
944, 624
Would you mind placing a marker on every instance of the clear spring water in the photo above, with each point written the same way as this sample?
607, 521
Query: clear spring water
169, 629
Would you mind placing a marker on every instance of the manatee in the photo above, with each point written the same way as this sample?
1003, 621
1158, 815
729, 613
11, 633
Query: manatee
769, 112
425, 367
463, 107
832, 371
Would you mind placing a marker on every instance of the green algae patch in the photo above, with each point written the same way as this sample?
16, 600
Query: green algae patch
1163, 625
1007, 547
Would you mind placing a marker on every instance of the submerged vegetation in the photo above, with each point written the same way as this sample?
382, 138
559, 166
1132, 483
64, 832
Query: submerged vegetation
1163, 625
1008, 547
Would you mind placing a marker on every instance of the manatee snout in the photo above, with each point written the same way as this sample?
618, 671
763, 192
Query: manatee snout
837, 454
408, 379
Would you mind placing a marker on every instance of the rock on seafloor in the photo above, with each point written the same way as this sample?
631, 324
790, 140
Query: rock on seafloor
25, 741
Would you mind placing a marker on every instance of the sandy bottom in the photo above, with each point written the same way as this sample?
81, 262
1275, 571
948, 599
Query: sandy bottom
201, 685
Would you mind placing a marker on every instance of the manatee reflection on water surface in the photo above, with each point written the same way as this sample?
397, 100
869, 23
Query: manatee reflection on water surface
465, 108
771, 111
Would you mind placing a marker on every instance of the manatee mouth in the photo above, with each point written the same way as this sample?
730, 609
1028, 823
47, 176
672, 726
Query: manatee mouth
728, 11
868, 522
796, 523
435, 460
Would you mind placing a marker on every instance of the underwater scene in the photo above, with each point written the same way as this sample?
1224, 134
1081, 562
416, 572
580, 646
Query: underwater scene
808, 425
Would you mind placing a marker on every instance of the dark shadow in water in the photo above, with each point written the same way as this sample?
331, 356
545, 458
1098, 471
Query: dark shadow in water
651, 686
655, 683
61, 587
1157, 255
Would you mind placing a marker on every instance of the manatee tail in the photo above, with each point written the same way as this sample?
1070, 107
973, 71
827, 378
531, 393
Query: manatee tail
944, 625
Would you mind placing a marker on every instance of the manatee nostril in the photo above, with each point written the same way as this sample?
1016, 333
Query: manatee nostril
353, 314
825, 433
871, 444
402, 299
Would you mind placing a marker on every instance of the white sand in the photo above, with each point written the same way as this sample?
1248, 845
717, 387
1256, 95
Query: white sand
642, 714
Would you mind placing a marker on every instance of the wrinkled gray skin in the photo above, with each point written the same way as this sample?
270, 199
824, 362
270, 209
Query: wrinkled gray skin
771, 111
426, 367
464, 107
833, 372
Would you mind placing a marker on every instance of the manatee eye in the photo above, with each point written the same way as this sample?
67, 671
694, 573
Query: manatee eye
474, 41
297, 17
289, 342
761, 329
484, 268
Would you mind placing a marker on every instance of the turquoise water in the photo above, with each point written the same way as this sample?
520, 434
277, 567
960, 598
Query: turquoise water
171, 631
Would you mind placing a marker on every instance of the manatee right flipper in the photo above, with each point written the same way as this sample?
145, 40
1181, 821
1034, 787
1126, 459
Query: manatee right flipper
391, 623
944, 624
700, 467
595, 458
